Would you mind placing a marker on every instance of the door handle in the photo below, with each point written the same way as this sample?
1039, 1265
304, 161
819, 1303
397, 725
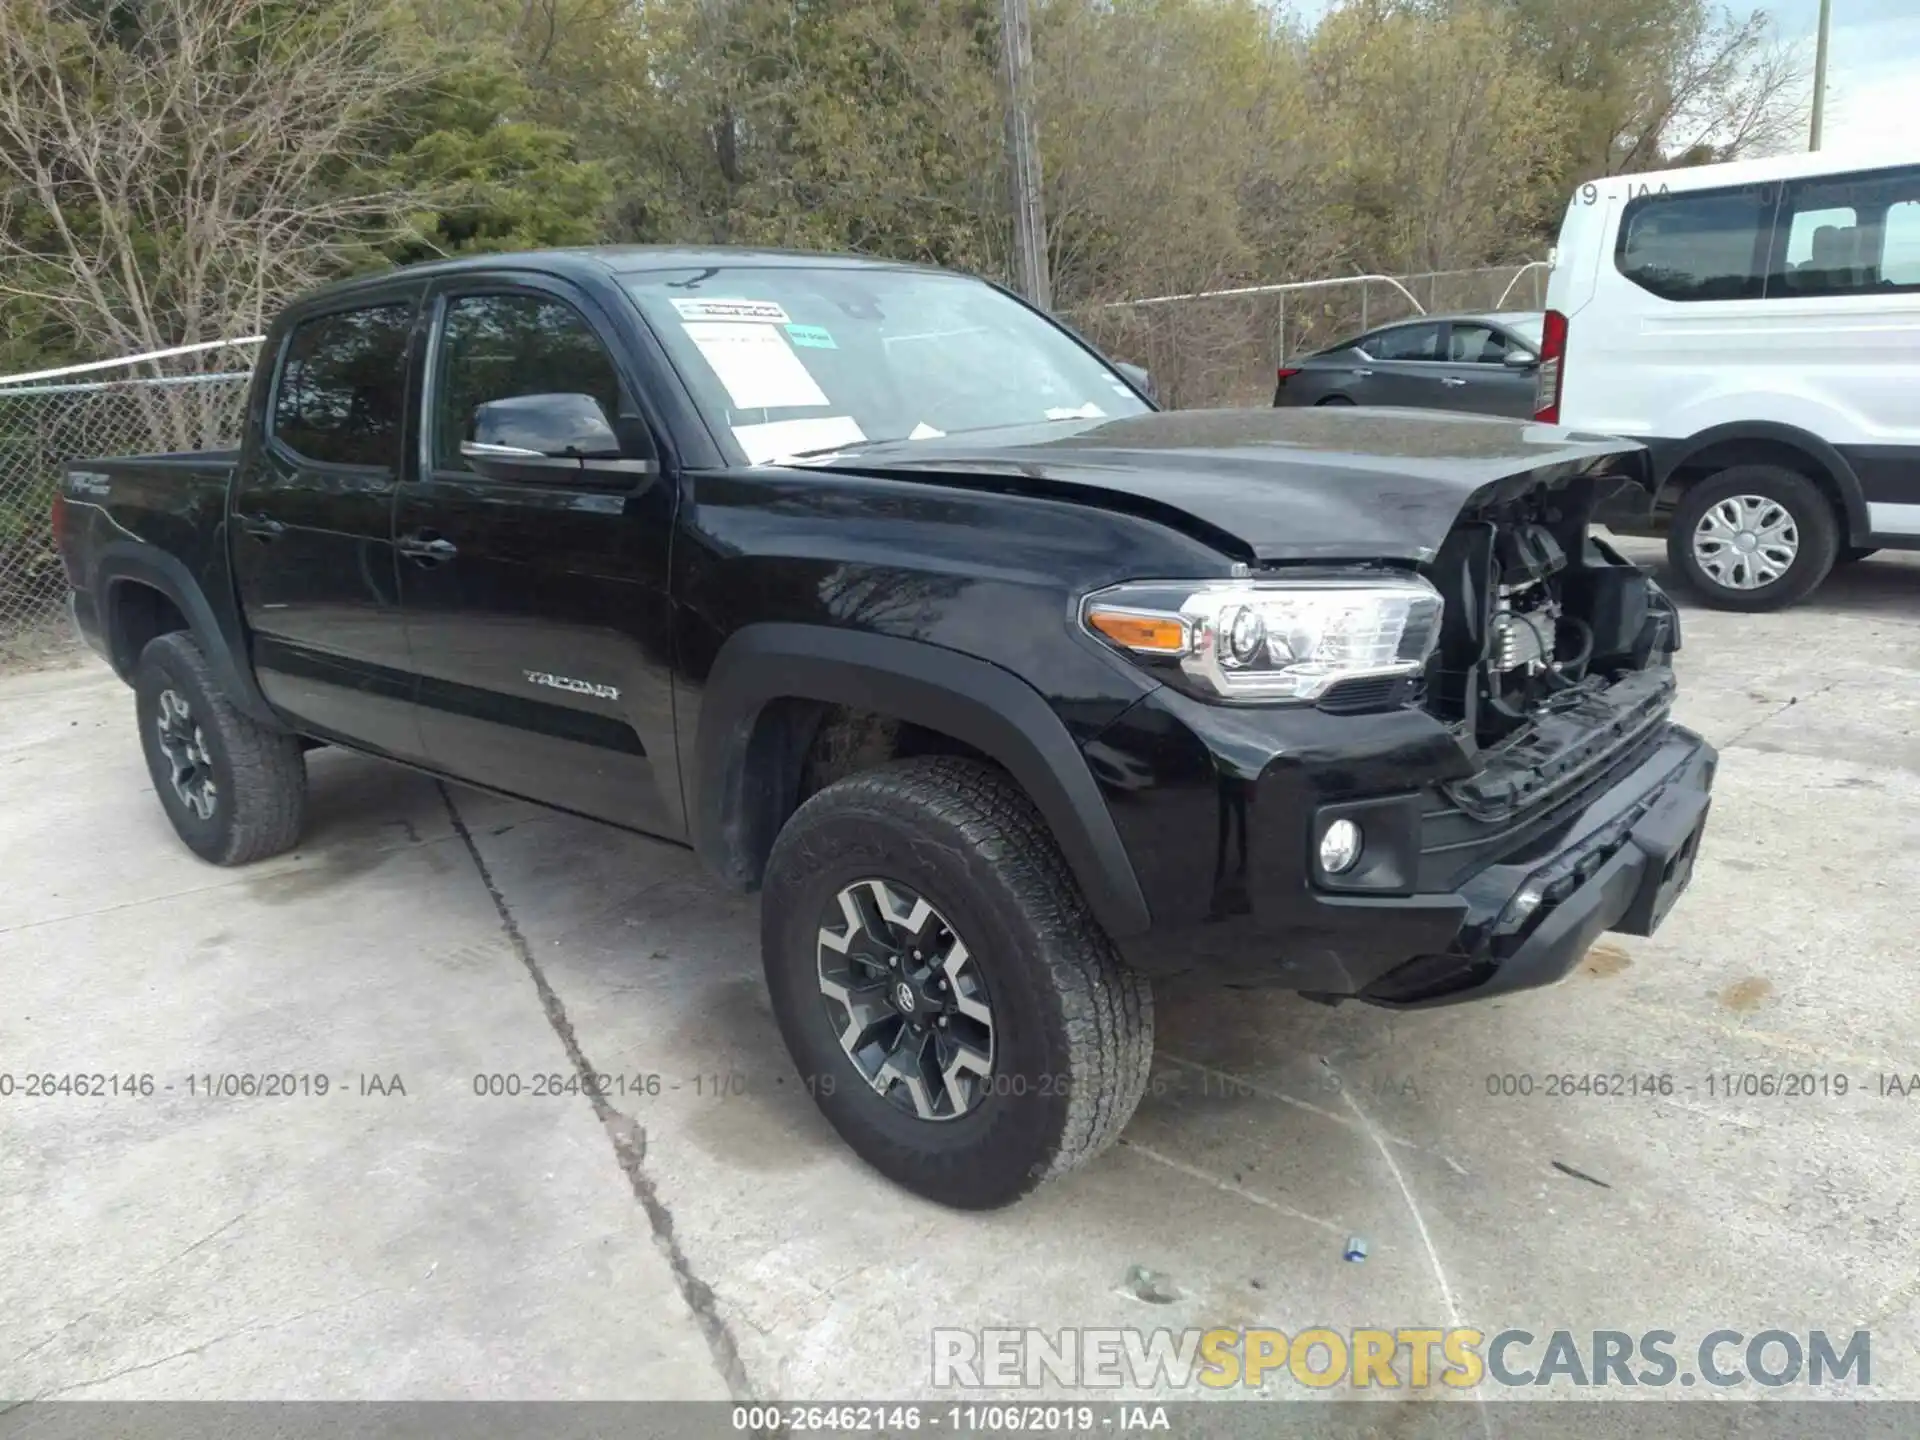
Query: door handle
427, 548
262, 527
1452, 380
1364, 374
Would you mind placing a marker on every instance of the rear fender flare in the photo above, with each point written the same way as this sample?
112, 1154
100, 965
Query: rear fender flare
1673, 456
124, 562
988, 708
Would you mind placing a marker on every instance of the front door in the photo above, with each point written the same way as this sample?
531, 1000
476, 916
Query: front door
312, 527
537, 608
1477, 376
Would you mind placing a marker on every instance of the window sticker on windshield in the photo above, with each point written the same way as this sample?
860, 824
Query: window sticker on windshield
814, 337
756, 365
780, 438
756, 310
1088, 411
924, 431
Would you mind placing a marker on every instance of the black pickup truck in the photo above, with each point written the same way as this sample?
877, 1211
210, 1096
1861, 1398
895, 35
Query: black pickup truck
895, 600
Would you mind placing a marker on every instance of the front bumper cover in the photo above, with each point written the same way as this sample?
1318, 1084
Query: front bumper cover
1219, 811
1623, 874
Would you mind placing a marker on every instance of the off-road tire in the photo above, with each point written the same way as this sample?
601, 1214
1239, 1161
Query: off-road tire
1813, 516
1073, 1027
260, 775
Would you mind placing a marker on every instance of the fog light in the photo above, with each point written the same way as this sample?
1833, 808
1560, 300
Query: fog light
1339, 847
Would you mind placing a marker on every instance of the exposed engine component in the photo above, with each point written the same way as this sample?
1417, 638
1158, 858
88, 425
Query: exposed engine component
1535, 609
1524, 628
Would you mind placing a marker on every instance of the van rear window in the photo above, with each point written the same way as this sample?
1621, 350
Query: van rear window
1697, 245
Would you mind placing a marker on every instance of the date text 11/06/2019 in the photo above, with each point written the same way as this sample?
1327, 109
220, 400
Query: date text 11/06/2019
1712, 1084
891, 1419
196, 1085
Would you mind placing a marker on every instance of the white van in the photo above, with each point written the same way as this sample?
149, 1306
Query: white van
1757, 324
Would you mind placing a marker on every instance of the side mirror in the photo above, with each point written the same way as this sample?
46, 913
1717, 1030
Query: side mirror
1142, 381
546, 437
1520, 360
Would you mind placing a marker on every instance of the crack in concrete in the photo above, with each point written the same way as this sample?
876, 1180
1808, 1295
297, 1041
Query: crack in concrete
628, 1137
1777, 712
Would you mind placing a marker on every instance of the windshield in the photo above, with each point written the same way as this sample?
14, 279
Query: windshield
788, 361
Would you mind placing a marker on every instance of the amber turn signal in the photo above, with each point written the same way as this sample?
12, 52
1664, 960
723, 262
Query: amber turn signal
1149, 634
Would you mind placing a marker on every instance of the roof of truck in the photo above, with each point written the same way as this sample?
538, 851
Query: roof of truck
615, 259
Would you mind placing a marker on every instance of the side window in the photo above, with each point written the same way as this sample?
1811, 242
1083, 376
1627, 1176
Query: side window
1696, 245
1476, 345
494, 347
1900, 260
342, 386
1404, 342
1850, 234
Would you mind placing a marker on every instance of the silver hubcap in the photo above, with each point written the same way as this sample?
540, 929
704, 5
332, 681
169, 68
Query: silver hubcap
906, 999
1746, 541
184, 744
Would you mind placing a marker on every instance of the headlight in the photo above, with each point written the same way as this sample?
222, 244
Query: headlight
1271, 639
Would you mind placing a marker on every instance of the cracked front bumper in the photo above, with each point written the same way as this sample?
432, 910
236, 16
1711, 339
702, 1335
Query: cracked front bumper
1529, 924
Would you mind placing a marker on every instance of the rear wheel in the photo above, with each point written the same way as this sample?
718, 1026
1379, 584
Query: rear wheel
950, 1001
1753, 537
234, 790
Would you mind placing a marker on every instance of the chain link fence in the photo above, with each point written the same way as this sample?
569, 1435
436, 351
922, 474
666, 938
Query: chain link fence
45, 424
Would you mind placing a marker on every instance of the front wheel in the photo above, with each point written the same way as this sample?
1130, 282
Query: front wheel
948, 997
1753, 537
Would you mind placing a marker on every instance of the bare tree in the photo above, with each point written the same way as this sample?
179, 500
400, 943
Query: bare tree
175, 182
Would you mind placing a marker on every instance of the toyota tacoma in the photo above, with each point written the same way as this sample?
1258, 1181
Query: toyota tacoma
899, 603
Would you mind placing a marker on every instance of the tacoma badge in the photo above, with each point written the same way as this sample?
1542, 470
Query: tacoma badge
577, 687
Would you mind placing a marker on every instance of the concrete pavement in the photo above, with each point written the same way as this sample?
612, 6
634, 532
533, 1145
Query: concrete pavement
702, 1232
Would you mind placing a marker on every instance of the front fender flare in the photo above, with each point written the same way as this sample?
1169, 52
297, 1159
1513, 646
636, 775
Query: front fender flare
978, 703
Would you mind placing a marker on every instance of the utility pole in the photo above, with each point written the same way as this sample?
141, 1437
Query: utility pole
1023, 156
1820, 73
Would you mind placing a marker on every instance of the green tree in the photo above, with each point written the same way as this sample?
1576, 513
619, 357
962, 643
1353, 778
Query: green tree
1643, 84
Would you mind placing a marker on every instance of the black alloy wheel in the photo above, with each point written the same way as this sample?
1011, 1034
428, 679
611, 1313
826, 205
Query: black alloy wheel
906, 998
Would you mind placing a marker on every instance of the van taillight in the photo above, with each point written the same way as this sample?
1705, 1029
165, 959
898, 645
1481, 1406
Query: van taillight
58, 520
1553, 367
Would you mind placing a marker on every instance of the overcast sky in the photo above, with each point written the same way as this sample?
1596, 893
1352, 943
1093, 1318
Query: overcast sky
1873, 66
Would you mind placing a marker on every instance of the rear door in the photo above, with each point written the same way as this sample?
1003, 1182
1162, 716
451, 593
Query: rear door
312, 524
1401, 365
538, 609
1476, 375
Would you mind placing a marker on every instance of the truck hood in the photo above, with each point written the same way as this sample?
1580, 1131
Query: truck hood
1337, 483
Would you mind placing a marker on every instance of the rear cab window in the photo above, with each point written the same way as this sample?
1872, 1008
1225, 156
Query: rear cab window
340, 395
790, 360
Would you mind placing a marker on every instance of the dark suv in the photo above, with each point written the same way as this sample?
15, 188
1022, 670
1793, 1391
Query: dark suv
899, 603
